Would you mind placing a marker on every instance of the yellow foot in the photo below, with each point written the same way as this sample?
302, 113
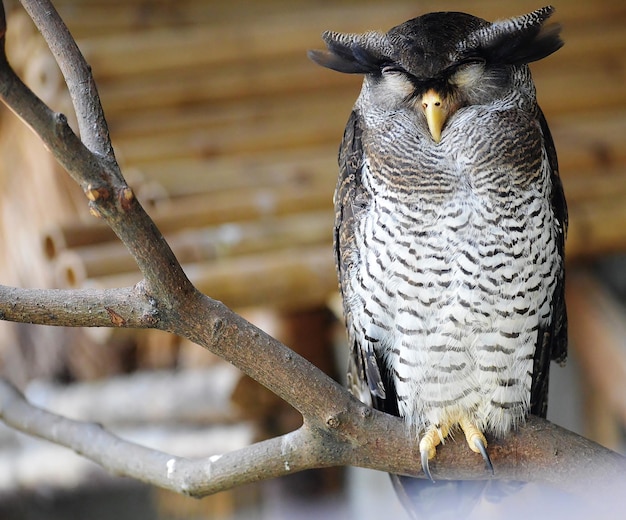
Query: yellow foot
476, 441
435, 435
428, 446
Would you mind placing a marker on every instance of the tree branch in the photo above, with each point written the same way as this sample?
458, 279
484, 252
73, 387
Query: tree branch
539, 451
199, 478
126, 307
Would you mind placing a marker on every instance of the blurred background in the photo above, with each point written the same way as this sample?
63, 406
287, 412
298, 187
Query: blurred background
229, 136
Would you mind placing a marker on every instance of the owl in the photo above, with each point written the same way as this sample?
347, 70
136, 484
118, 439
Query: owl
450, 222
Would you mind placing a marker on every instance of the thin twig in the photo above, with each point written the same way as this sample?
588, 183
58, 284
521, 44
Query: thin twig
92, 124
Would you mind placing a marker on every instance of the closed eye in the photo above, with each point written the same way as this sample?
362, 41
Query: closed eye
467, 72
393, 69
464, 64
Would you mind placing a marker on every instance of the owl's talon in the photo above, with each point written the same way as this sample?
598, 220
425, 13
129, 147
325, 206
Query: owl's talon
476, 441
428, 447
425, 468
480, 445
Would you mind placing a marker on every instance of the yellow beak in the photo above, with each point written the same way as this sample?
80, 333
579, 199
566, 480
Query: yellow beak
436, 112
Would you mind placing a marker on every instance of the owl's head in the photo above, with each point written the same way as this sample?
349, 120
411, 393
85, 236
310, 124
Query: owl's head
440, 62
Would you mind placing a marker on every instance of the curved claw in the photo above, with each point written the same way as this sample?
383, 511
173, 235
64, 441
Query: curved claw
425, 468
483, 451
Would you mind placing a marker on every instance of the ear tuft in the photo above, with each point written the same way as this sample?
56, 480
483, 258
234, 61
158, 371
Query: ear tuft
518, 40
352, 53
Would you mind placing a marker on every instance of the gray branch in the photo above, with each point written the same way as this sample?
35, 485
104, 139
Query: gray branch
539, 452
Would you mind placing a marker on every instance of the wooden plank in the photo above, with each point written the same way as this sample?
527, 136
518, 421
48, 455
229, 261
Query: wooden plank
591, 140
189, 176
592, 85
215, 116
75, 266
233, 82
597, 184
89, 17
290, 279
269, 37
596, 229
87, 20
314, 126
593, 40
197, 212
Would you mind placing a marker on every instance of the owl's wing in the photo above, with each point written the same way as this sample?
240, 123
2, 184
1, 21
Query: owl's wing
367, 378
552, 340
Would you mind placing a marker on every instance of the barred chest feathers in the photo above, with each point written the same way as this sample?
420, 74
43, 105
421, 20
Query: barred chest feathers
455, 266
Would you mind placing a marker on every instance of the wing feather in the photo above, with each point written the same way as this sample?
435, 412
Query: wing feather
552, 340
367, 377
